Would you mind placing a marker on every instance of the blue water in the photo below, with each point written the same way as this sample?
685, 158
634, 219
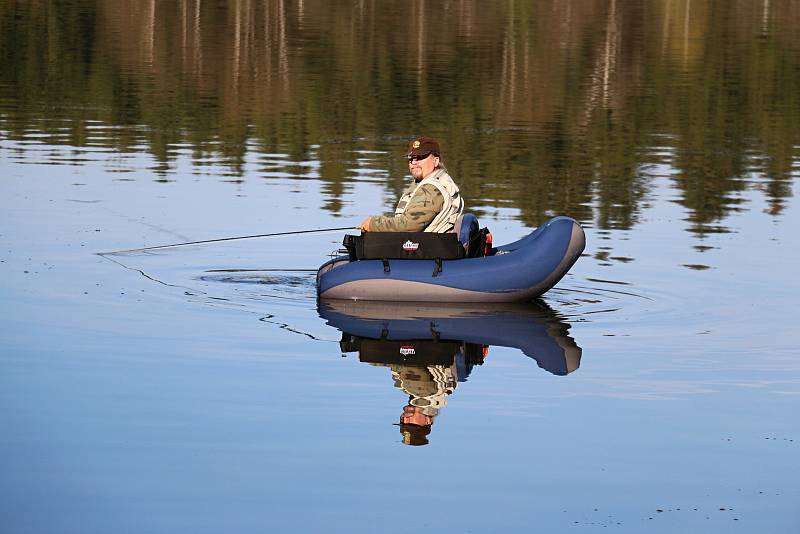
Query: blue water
173, 391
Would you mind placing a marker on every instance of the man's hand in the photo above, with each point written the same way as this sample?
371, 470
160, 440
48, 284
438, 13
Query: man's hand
364, 226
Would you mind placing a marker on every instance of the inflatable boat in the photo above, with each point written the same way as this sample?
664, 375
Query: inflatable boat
425, 334
516, 272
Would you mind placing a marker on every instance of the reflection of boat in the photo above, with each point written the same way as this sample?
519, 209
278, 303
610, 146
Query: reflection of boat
517, 272
431, 334
430, 349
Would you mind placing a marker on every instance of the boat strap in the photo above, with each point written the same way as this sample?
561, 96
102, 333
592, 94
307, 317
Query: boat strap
438, 268
435, 335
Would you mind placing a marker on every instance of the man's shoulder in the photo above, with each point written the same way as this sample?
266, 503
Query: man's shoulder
430, 188
430, 191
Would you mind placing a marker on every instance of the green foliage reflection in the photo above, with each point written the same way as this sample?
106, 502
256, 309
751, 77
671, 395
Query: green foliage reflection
547, 107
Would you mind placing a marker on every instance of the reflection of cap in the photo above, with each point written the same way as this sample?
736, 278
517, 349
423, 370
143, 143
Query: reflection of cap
415, 434
422, 146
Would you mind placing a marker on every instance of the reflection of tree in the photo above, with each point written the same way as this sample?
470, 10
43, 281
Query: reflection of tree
545, 107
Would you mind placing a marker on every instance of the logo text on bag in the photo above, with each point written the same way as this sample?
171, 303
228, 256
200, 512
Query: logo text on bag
407, 350
410, 245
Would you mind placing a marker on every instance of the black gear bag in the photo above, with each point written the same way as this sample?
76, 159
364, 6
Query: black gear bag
404, 246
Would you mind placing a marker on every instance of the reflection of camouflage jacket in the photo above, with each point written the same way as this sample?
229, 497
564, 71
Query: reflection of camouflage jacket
427, 387
430, 205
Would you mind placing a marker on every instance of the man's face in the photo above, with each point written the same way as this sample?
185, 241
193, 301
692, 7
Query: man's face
420, 168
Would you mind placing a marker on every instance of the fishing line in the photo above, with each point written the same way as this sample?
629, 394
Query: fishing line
289, 328
189, 289
276, 234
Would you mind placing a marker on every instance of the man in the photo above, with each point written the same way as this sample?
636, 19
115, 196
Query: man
431, 203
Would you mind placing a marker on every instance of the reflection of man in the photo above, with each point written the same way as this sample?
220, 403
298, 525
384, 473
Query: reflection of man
428, 388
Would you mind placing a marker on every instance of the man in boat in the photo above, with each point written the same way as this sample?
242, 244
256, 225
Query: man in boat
431, 203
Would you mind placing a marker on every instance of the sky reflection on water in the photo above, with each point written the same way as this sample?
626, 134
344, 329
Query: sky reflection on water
148, 404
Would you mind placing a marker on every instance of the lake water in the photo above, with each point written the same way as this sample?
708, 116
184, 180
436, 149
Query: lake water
204, 389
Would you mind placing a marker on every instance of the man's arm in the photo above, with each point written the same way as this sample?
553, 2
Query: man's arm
422, 208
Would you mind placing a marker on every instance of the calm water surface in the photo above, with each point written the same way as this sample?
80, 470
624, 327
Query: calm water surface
204, 388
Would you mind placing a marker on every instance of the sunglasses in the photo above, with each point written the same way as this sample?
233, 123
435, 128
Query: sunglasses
412, 159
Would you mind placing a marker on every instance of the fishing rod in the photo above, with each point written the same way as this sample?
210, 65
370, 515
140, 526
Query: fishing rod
276, 234
271, 270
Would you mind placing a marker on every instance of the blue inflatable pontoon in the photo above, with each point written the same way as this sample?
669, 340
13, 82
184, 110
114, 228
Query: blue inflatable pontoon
420, 334
519, 271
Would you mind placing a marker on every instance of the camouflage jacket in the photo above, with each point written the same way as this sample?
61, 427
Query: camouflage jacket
422, 208
430, 205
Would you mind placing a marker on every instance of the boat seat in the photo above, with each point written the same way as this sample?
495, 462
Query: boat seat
465, 227
470, 235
